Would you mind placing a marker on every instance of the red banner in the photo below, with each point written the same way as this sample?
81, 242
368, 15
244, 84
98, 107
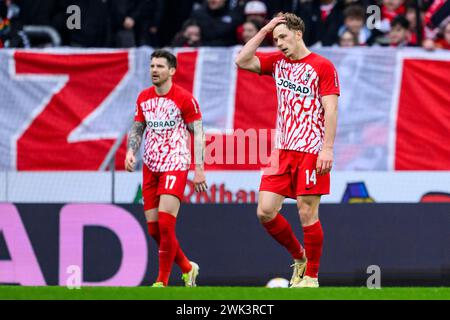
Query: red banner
86, 80
423, 121
65, 110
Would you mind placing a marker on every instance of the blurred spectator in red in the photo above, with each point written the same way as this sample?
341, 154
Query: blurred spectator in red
217, 23
442, 39
255, 13
5, 24
189, 35
436, 14
11, 34
347, 39
354, 21
249, 29
322, 21
389, 10
435, 20
392, 8
443, 42
399, 36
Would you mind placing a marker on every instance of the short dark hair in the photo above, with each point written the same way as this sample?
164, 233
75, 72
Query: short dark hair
354, 11
293, 22
188, 23
401, 21
255, 22
161, 53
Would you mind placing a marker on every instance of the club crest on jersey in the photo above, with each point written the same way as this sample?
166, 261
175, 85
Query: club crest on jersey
161, 124
306, 77
297, 88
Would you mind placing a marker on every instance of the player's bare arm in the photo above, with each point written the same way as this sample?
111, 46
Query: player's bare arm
325, 158
134, 143
199, 155
246, 58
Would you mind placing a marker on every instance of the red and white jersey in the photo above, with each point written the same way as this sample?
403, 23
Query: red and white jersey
166, 138
300, 85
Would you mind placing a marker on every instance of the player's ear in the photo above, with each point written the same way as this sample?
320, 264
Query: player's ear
298, 35
172, 71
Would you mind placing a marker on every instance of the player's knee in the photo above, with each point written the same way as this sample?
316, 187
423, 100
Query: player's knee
151, 215
307, 213
265, 212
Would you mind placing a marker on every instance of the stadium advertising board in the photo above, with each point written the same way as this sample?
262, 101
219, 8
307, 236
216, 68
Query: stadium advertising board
224, 187
107, 245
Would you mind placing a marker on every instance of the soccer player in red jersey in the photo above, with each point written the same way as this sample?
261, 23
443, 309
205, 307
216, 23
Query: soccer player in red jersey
307, 89
168, 112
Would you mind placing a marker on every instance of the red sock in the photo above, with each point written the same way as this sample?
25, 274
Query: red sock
313, 237
180, 258
153, 231
167, 247
281, 231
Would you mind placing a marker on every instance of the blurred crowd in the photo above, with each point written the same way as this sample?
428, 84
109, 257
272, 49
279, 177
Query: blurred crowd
192, 23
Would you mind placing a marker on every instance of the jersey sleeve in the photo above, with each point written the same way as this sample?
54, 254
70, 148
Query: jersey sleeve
190, 110
138, 114
328, 80
266, 61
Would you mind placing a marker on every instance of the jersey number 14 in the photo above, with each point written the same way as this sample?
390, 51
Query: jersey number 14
310, 177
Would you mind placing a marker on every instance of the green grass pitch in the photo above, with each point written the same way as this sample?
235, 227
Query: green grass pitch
223, 293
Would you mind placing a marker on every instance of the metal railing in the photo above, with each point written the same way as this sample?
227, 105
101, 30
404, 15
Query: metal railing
38, 31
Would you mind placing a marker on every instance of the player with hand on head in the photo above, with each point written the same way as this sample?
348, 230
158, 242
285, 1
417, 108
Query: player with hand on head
167, 112
307, 89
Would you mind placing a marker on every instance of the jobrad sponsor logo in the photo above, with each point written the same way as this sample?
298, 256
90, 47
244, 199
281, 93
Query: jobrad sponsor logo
297, 88
161, 124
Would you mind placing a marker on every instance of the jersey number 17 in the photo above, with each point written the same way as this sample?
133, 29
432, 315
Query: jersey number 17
170, 181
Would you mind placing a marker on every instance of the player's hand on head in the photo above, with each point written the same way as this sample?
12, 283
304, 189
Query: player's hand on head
130, 161
324, 161
200, 181
273, 23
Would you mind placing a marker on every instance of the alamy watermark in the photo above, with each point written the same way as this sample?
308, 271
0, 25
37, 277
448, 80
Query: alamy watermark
73, 281
373, 20
73, 22
374, 280
241, 147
